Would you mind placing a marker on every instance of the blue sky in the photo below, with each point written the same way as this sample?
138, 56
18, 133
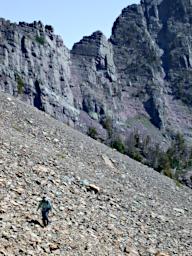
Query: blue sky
72, 19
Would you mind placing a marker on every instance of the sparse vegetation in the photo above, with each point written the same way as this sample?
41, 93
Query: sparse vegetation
171, 162
183, 90
174, 160
134, 146
92, 132
136, 156
107, 124
20, 84
119, 145
40, 40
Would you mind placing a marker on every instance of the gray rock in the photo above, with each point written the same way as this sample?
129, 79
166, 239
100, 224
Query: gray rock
140, 78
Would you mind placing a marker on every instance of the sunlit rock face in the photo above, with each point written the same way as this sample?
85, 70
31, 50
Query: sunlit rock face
140, 78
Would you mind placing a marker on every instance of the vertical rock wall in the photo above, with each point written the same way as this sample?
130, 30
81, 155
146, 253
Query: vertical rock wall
140, 78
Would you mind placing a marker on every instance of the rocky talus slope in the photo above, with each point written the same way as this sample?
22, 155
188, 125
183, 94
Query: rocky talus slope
128, 210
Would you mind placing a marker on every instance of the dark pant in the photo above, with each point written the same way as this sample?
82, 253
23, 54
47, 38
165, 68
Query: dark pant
45, 217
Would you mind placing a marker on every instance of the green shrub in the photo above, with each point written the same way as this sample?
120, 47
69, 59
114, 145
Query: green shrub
108, 125
172, 162
119, 145
92, 132
20, 84
168, 173
178, 152
163, 162
136, 156
40, 40
178, 183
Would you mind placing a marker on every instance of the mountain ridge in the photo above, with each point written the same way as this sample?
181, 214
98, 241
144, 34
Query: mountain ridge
138, 81
93, 60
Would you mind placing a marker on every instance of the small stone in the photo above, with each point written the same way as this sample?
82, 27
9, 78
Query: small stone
19, 191
53, 247
161, 254
94, 188
131, 251
179, 210
84, 182
107, 161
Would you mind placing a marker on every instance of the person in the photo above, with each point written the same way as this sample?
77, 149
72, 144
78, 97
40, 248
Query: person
45, 206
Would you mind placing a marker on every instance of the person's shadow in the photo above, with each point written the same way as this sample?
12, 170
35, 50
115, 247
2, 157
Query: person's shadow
35, 222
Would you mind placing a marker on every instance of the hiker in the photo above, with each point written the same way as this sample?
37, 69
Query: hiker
45, 206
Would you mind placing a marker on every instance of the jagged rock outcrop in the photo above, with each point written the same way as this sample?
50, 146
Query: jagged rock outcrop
35, 67
93, 77
104, 203
140, 78
137, 58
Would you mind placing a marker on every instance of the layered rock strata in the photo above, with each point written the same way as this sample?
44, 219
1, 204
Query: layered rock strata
140, 78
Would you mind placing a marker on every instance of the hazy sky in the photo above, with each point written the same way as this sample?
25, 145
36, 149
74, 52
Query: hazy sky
72, 19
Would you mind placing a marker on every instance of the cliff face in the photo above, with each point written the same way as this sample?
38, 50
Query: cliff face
140, 78
35, 66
